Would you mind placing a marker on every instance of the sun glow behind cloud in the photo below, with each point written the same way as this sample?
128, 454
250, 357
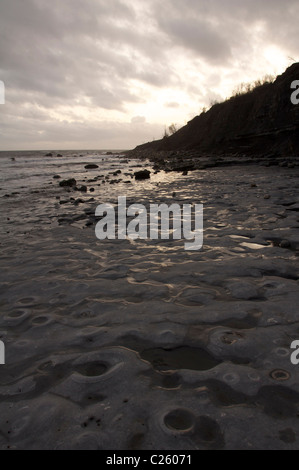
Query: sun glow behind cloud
277, 56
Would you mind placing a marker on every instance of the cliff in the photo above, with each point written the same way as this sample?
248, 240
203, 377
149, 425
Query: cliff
261, 121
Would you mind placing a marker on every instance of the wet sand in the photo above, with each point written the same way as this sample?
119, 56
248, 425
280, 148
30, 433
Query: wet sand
122, 344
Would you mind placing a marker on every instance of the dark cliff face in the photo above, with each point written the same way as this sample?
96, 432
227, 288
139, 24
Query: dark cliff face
261, 121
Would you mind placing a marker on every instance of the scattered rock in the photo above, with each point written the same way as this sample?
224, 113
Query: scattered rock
142, 174
285, 244
49, 155
91, 166
56, 177
68, 183
82, 188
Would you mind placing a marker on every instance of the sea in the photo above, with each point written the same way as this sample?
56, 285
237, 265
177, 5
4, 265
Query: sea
30, 193
23, 170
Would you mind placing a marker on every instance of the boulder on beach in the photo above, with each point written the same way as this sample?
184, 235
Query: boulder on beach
68, 183
49, 155
91, 166
285, 244
142, 174
82, 188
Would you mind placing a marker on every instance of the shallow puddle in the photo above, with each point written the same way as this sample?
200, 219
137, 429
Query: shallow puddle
254, 246
183, 357
92, 369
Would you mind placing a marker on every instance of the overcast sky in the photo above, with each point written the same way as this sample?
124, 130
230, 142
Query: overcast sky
99, 74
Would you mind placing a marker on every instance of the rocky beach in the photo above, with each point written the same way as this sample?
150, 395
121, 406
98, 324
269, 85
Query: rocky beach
141, 344
149, 242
